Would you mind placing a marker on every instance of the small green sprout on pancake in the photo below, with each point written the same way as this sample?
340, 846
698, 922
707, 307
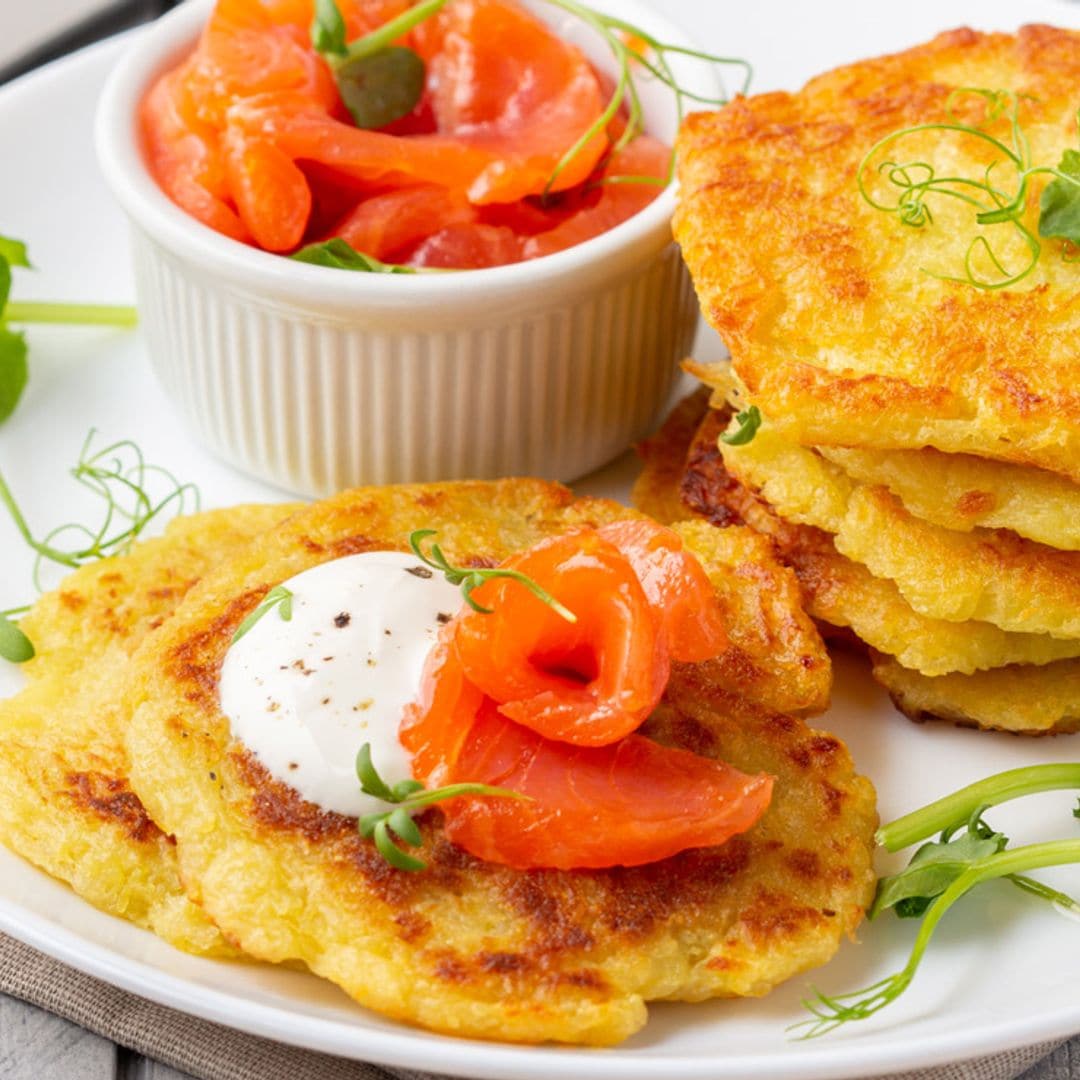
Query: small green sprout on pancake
135, 493
408, 796
999, 196
967, 853
278, 597
746, 427
15, 646
14, 370
380, 81
470, 578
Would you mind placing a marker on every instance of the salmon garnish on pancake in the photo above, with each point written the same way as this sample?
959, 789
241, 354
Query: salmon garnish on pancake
472, 947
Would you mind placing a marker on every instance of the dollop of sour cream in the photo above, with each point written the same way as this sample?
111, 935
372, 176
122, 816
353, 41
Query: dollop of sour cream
304, 695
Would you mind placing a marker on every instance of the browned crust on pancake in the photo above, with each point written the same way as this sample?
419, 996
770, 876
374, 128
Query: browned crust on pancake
65, 800
1019, 699
111, 799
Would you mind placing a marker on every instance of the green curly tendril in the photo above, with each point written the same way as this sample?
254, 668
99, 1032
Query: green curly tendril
999, 197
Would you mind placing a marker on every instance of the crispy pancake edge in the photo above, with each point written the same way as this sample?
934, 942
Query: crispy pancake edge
993, 575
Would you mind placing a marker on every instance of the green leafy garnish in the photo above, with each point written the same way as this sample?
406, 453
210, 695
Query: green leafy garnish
15, 646
383, 87
967, 853
470, 578
13, 252
328, 32
934, 867
340, 255
408, 796
1059, 206
135, 494
14, 369
380, 81
747, 424
999, 197
278, 597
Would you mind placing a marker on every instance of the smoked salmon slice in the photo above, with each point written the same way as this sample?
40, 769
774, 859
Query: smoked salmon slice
625, 804
630, 803
237, 132
676, 586
590, 682
595, 793
398, 220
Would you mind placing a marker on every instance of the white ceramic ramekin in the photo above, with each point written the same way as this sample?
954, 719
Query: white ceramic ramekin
317, 379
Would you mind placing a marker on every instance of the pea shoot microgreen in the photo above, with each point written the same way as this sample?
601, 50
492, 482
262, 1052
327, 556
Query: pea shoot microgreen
340, 255
470, 578
15, 646
135, 494
746, 427
408, 796
14, 368
380, 81
999, 197
967, 853
278, 597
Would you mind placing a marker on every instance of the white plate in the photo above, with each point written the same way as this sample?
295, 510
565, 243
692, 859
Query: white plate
1004, 970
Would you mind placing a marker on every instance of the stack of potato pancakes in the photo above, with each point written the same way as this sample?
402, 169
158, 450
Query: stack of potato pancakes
918, 459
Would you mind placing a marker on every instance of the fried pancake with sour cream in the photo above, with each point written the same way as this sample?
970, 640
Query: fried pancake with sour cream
65, 801
473, 948
833, 326
992, 575
836, 591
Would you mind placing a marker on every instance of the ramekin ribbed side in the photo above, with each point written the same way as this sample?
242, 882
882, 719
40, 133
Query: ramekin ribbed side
314, 405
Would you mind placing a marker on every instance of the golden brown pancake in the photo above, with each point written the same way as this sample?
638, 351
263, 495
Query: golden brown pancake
1018, 698
971, 673
989, 575
476, 949
961, 492
836, 591
65, 801
833, 325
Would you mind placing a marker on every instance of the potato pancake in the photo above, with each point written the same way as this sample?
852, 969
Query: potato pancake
472, 948
834, 325
961, 492
991, 575
956, 491
1018, 698
65, 801
836, 590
